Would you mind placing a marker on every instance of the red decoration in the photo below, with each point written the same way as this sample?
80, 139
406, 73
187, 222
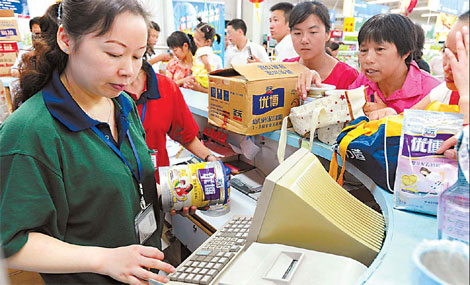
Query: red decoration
256, 1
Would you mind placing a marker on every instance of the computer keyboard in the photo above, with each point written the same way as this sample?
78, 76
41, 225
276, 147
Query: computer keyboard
205, 264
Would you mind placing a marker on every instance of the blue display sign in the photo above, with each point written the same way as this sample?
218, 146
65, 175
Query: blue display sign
187, 12
19, 7
363, 9
332, 14
453, 7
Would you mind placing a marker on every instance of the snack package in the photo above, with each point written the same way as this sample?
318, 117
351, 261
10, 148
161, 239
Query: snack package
198, 184
422, 174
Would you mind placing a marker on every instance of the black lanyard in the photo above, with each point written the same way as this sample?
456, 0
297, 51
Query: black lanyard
119, 153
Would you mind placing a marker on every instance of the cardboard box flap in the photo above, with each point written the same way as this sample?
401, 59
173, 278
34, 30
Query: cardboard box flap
263, 71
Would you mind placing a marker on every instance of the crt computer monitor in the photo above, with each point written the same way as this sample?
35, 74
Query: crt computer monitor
302, 206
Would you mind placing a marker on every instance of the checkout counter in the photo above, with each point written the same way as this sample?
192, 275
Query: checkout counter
404, 230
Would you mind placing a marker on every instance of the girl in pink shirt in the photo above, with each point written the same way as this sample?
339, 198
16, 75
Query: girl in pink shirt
392, 79
309, 23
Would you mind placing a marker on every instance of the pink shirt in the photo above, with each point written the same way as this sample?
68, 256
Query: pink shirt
341, 76
417, 85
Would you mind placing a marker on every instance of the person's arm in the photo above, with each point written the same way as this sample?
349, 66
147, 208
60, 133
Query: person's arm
198, 149
161, 57
205, 60
43, 253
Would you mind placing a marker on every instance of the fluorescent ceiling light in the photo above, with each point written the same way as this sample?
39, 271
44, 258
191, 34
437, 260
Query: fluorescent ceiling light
430, 15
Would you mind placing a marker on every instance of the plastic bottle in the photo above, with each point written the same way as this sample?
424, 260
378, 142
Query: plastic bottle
453, 209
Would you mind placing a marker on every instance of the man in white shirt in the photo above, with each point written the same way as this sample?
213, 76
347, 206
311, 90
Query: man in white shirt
279, 28
243, 50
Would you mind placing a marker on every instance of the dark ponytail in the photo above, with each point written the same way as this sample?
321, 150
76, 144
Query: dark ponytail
178, 39
208, 31
79, 18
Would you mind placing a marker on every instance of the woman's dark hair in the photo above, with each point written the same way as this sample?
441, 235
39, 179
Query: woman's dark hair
178, 39
303, 10
465, 16
79, 18
34, 21
420, 39
208, 31
392, 28
154, 26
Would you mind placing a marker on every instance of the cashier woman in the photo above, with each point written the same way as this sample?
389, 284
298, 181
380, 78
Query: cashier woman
78, 194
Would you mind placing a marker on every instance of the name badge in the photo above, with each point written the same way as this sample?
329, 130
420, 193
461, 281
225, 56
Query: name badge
145, 224
153, 155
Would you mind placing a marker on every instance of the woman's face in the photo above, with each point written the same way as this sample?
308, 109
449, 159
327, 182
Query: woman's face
181, 52
104, 65
153, 37
309, 38
380, 61
451, 44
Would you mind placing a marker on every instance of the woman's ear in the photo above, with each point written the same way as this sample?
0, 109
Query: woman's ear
63, 40
406, 55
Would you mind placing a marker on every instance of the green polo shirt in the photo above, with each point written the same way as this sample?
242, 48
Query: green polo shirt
58, 177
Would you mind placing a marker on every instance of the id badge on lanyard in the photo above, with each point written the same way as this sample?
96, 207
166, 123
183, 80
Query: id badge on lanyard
144, 222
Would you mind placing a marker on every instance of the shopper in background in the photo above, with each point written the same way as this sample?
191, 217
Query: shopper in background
242, 51
205, 60
332, 48
418, 52
280, 31
180, 67
152, 57
75, 169
391, 77
163, 111
35, 28
310, 29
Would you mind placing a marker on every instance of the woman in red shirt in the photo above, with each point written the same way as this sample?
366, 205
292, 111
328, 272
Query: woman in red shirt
309, 23
163, 111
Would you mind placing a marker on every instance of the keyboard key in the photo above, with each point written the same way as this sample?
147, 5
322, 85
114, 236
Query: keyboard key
197, 278
205, 280
182, 277
189, 269
241, 241
189, 278
203, 252
204, 271
234, 248
174, 276
212, 272
203, 264
220, 254
218, 266
196, 263
229, 255
223, 260
196, 270
215, 259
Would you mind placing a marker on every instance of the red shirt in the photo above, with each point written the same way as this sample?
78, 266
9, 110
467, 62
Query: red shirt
341, 76
166, 112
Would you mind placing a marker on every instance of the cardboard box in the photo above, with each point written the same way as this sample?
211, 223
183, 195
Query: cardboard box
9, 27
8, 54
254, 98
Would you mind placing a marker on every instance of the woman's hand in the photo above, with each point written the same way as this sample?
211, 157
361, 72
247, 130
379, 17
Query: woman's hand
130, 264
304, 82
381, 113
185, 212
447, 150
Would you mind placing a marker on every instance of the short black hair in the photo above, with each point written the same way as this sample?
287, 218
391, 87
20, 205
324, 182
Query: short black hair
285, 7
420, 39
333, 46
238, 24
154, 26
465, 16
178, 39
392, 28
303, 10
34, 21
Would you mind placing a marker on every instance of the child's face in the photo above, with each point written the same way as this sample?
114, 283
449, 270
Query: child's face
379, 61
199, 39
451, 44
